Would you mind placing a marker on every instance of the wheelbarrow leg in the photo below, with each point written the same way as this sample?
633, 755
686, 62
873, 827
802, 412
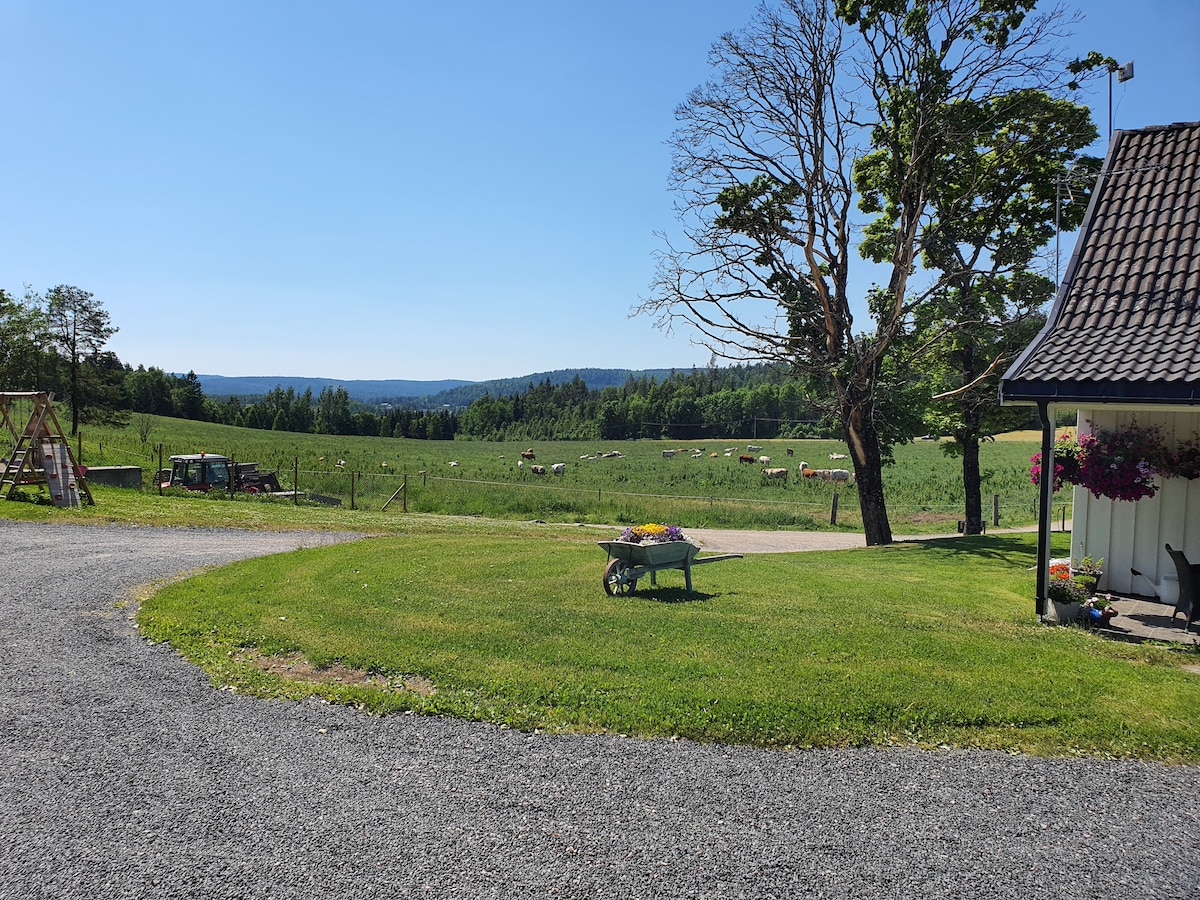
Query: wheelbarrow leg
687, 574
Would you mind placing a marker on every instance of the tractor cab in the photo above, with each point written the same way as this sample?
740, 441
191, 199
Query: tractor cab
198, 472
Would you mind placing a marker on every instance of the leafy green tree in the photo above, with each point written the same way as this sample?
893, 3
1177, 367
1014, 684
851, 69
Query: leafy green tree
149, 391
78, 327
993, 205
333, 411
187, 397
21, 328
765, 167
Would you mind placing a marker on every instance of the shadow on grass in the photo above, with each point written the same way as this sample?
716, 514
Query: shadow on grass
671, 595
1002, 547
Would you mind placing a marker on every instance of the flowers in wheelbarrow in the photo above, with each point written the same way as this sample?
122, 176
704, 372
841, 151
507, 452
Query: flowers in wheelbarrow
652, 534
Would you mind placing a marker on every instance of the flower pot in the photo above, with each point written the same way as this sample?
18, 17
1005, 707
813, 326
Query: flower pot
1066, 613
1088, 583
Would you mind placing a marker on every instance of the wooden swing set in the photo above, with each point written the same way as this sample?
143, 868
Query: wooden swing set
41, 453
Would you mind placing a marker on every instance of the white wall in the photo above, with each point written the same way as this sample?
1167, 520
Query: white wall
1131, 535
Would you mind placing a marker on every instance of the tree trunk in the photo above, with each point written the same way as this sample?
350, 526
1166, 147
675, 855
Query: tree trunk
74, 396
863, 441
971, 486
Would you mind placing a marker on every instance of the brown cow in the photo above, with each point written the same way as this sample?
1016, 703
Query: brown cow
745, 458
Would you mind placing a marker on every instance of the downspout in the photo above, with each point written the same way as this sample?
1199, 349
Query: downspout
1045, 509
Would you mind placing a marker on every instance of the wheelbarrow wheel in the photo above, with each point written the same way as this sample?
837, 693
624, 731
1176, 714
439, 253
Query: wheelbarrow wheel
616, 578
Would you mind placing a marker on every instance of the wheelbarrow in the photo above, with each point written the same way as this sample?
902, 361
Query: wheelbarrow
628, 562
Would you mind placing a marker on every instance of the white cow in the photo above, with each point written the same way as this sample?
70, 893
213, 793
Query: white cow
775, 474
764, 460
838, 456
668, 454
558, 468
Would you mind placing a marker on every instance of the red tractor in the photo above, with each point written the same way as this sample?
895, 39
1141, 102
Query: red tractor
211, 471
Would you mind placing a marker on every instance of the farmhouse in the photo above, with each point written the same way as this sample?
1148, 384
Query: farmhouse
1122, 346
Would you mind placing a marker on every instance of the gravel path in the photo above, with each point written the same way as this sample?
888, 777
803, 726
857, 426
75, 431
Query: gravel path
126, 775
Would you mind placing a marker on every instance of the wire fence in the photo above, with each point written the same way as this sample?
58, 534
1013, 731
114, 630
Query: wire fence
423, 492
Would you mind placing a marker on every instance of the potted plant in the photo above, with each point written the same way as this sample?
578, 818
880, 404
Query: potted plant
1067, 597
1087, 572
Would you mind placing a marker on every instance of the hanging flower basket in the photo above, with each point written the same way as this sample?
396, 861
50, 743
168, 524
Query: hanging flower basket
1119, 465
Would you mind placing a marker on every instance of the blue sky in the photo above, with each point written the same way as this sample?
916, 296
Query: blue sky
390, 189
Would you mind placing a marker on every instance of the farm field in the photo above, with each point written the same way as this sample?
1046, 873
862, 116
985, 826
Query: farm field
924, 487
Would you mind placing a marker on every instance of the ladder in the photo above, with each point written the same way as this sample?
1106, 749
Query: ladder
41, 454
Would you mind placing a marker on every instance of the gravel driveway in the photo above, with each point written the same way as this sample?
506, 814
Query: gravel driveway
124, 774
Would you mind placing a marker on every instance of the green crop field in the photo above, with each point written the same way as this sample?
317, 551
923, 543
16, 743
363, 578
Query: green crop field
924, 487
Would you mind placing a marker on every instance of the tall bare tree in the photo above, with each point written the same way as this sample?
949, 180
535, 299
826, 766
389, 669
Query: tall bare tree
764, 167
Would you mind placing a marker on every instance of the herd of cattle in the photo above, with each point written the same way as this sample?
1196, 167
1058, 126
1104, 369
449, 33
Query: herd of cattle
769, 472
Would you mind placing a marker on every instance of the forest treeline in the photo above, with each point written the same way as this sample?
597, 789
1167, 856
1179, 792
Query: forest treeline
41, 350
719, 402
56, 343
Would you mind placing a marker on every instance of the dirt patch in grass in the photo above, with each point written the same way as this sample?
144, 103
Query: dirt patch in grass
295, 667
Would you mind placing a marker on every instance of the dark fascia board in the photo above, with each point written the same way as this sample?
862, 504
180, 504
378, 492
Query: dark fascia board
1090, 392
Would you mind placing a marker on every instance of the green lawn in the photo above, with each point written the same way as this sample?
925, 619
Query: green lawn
927, 643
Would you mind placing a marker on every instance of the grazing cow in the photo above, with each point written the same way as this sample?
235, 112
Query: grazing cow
752, 448
764, 460
528, 454
713, 455
455, 463
837, 476
789, 451
667, 454
746, 458
838, 456
558, 468
538, 470
775, 474
729, 451
521, 465
809, 473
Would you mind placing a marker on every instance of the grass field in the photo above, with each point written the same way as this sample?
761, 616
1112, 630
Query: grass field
924, 488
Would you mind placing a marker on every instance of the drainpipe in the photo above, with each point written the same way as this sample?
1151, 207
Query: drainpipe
1045, 510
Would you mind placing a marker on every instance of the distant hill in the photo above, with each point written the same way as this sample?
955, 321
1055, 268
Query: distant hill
448, 392
366, 391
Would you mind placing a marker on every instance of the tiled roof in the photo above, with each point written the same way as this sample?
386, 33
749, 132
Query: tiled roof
1125, 326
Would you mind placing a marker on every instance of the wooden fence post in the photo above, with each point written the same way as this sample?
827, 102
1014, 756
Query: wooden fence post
352, 490
995, 510
296, 482
833, 510
160, 465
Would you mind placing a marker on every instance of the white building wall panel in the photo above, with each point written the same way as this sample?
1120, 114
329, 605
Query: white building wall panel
1131, 536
